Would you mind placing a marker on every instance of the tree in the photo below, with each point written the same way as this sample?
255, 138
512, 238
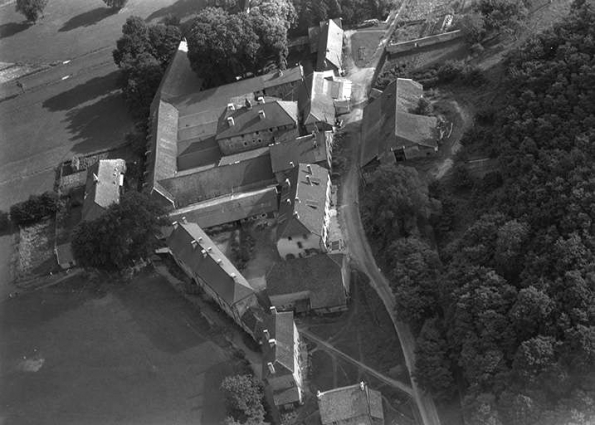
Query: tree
244, 395
473, 27
502, 15
34, 209
31, 9
424, 107
140, 81
123, 234
115, 4
511, 237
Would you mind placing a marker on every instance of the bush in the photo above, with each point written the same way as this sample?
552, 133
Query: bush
461, 177
31, 8
115, 4
4, 221
34, 209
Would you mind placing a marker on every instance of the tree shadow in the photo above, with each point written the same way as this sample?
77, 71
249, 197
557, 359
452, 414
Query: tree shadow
99, 125
180, 9
11, 28
82, 93
88, 18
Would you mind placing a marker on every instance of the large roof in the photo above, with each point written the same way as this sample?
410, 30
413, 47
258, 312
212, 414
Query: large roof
196, 185
161, 160
102, 187
310, 149
281, 328
330, 45
209, 263
305, 200
179, 77
352, 405
408, 93
319, 276
317, 101
416, 129
259, 117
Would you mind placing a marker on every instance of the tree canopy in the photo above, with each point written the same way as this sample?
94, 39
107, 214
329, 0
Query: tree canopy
143, 53
31, 9
124, 233
223, 46
518, 286
244, 395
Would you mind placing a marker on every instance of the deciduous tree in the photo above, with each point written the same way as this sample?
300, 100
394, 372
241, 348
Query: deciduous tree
31, 9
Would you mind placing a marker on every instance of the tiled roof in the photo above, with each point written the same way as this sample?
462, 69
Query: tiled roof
416, 129
281, 328
161, 161
64, 253
250, 120
179, 78
194, 186
229, 208
103, 186
352, 405
198, 153
212, 265
330, 45
317, 103
304, 201
309, 149
319, 275
408, 93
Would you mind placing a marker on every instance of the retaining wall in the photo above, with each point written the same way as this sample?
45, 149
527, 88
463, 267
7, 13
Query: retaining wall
406, 46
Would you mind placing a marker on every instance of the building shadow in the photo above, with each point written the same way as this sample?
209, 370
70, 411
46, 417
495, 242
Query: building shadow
11, 28
88, 18
180, 9
83, 93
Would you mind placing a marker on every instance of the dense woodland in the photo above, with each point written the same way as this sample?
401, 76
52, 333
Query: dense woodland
505, 312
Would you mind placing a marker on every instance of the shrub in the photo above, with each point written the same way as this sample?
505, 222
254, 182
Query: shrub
31, 9
4, 221
115, 4
34, 209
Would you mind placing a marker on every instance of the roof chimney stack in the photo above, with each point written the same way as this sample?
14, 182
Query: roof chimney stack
184, 220
308, 180
175, 224
231, 107
248, 104
266, 334
271, 367
261, 114
260, 100
318, 395
273, 309
291, 164
230, 121
362, 386
309, 167
194, 244
272, 342
204, 253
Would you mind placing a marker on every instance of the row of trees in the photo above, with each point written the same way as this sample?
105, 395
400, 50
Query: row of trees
223, 45
33, 9
493, 17
506, 313
311, 12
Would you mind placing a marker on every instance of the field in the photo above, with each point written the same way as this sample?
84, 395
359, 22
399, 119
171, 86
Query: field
93, 352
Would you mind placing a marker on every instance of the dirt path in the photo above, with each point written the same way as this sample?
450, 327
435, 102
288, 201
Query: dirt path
360, 252
325, 346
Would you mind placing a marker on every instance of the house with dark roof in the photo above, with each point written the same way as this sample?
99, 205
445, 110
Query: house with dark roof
304, 211
256, 125
353, 405
198, 256
104, 184
318, 283
323, 97
330, 47
314, 148
391, 129
284, 359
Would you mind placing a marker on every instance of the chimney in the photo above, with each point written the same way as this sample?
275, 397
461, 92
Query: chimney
95, 178
362, 386
296, 215
297, 200
184, 220
233, 276
175, 224
248, 104
318, 395
308, 180
266, 334
280, 73
309, 167
200, 239
231, 107
291, 164
272, 342
261, 114
260, 100
219, 260
209, 249
288, 201
204, 253
194, 244
271, 367
287, 181
273, 309
230, 121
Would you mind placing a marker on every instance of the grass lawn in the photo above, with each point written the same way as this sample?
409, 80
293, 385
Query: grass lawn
364, 43
97, 352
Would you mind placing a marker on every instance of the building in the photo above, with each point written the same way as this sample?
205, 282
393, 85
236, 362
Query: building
314, 148
330, 47
304, 211
284, 358
392, 131
353, 405
319, 283
104, 184
198, 256
253, 126
323, 97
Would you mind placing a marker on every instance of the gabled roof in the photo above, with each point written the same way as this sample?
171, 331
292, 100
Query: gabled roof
304, 201
416, 129
210, 264
408, 93
317, 102
353, 405
179, 78
281, 328
103, 186
310, 149
161, 160
259, 117
330, 45
319, 276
